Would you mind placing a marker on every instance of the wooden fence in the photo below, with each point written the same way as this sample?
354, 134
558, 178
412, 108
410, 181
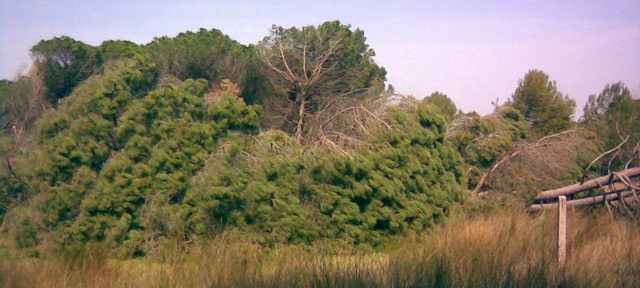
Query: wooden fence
617, 186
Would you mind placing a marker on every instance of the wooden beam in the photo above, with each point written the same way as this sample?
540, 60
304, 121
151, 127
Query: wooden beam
562, 231
611, 196
580, 187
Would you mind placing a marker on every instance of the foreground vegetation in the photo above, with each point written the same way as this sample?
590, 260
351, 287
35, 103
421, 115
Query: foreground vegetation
501, 249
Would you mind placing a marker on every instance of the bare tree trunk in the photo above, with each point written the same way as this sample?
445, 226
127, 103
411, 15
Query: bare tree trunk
301, 114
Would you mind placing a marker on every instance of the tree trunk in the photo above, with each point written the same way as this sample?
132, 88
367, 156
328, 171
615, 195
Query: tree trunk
301, 114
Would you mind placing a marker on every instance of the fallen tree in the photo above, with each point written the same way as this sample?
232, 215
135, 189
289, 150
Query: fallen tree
518, 149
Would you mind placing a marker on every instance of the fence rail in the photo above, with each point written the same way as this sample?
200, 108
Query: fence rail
603, 181
557, 199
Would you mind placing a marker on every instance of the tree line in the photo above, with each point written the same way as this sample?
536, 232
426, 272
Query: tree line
295, 139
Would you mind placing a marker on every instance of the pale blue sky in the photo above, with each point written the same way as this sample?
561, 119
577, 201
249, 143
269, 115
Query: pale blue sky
475, 51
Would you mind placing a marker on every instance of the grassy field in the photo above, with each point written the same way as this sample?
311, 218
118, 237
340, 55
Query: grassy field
504, 249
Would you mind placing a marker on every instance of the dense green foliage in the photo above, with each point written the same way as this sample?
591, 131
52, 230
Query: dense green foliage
21, 103
140, 146
210, 55
444, 103
4, 92
63, 63
515, 164
406, 182
13, 189
206, 54
538, 99
4, 88
120, 161
118, 49
483, 140
114, 145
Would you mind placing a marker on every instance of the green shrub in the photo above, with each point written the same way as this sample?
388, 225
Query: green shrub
405, 181
25, 234
113, 146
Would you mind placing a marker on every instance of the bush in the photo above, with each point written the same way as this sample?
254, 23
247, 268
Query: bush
404, 181
113, 146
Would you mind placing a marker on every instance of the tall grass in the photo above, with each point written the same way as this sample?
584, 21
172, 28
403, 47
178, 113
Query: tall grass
505, 249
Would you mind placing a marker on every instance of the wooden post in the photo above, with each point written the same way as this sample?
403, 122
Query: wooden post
562, 231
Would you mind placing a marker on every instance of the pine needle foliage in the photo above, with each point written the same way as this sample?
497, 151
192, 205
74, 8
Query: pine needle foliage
116, 142
483, 140
405, 181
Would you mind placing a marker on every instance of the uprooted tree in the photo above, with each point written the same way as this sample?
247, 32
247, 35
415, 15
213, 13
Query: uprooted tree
531, 166
504, 158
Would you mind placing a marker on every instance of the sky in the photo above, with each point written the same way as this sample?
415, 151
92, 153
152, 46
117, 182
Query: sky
473, 51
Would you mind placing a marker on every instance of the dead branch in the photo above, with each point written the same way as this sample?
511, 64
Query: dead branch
636, 150
517, 149
617, 148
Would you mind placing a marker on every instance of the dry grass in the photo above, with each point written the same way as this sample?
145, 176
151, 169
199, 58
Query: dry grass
505, 249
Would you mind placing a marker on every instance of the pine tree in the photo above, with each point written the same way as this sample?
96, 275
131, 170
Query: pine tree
538, 99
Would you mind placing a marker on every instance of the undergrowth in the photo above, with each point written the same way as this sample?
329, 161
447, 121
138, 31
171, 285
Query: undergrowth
501, 249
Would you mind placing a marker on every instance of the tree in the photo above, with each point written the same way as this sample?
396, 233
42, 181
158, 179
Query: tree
13, 187
117, 49
442, 101
63, 63
210, 55
597, 107
4, 88
135, 163
540, 102
483, 140
5, 85
614, 115
22, 103
206, 54
316, 72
